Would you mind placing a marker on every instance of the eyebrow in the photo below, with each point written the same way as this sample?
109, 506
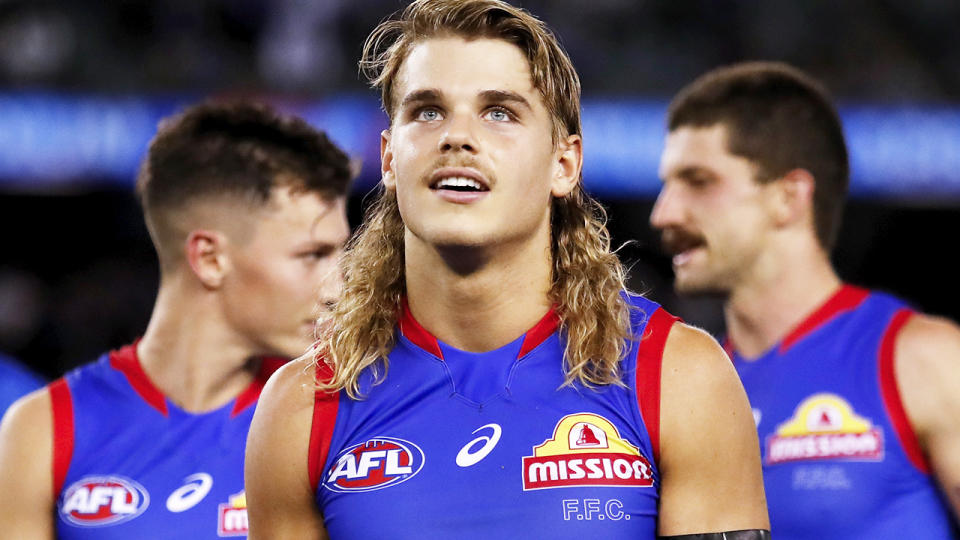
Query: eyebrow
421, 96
505, 96
689, 171
429, 95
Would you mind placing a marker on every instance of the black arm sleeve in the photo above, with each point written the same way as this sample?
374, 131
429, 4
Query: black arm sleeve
752, 534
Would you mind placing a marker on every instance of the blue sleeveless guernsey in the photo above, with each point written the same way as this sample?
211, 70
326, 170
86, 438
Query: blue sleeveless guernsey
128, 463
840, 460
488, 445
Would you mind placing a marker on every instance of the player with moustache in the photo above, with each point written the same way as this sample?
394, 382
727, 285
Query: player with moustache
246, 210
485, 373
855, 394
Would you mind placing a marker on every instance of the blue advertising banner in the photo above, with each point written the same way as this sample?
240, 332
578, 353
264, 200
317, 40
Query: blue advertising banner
60, 141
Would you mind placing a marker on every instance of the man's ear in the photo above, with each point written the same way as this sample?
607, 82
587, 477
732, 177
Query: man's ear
206, 254
387, 173
569, 163
793, 199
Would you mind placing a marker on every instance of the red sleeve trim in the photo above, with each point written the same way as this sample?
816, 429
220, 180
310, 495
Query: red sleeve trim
62, 407
325, 405
891, 394
649, 362
250, 396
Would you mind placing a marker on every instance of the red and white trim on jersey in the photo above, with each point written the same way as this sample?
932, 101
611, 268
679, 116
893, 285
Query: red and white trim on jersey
891, 393
62, 408
649, 363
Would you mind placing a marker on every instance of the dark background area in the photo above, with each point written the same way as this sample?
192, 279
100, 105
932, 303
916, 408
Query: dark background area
78, 274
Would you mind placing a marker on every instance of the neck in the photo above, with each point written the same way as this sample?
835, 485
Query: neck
189, 353
479, 299
761, 311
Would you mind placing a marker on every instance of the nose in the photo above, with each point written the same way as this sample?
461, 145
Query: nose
667, 211
330, 287
458, 136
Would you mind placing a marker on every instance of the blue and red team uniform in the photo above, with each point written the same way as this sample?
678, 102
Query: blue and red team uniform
454, 444
129, 463
840, 459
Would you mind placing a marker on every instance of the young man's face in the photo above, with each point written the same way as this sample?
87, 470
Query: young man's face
470, 152
285, 270
711, 210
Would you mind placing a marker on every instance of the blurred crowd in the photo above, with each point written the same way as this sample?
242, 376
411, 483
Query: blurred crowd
874, 50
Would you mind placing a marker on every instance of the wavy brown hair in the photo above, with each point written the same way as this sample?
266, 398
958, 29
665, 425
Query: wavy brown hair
588, 280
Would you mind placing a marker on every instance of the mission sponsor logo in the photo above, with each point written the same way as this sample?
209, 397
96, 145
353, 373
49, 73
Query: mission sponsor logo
375, 464
97, 501
824, 426
232, 516
585, 450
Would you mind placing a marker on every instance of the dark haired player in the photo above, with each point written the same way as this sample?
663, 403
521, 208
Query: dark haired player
522, 391
246, 209
855, 395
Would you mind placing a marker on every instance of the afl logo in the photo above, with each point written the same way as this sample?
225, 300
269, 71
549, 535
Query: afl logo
375, 464
95, 501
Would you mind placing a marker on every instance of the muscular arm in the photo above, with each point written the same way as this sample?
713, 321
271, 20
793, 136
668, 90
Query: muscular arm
26, 468
710, 458
927, 368
280, 501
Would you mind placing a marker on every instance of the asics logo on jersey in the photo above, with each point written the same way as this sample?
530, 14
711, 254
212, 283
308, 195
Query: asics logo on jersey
96, 501
467, 458
188, 495
375, 464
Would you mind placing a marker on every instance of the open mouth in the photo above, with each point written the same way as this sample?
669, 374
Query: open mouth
460, 184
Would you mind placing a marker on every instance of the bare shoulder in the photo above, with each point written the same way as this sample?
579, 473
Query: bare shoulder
710, 457
698, 383
291, 387
933, 341
27, 429
26, 455
927, 369
692, 357
277, 476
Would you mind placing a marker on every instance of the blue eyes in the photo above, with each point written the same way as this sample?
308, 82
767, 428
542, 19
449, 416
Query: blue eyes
496, 114
428, 115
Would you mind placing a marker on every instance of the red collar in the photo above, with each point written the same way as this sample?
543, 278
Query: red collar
421, 337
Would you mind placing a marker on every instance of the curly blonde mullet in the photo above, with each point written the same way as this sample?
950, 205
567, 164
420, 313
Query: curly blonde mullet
588, 280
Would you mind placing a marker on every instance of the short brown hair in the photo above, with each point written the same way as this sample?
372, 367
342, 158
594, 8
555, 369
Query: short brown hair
551, 69
779, 118
240, 150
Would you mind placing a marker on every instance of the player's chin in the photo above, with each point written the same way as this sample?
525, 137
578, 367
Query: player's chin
690, 282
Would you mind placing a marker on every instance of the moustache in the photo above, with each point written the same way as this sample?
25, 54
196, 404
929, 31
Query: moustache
676, 240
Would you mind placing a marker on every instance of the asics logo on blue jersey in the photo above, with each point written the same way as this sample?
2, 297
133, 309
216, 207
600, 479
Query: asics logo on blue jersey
188, 495
467, 457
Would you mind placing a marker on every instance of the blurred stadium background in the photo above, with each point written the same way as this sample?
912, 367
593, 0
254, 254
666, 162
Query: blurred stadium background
83, 84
